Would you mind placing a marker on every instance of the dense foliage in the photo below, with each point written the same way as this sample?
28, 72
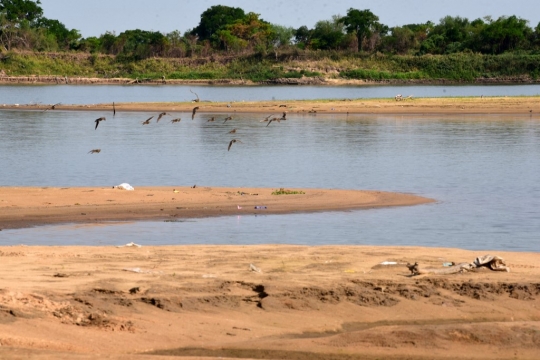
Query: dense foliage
454, 48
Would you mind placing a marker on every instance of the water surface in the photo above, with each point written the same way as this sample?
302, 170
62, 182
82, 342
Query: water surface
483, 170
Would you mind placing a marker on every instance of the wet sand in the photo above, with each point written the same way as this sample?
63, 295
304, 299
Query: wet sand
323, 302
29, 206
519, 106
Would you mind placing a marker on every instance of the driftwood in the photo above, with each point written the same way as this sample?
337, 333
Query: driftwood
492, 262
416, 269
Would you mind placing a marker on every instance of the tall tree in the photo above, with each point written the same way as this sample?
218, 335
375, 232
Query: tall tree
504, 34
282, 35
248, 31
216, 18
19, 10
362, 23
64, 37
302, 36
327, 34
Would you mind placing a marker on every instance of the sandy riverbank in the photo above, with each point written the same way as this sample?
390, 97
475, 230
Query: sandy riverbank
26, 206
519, 106
330, 302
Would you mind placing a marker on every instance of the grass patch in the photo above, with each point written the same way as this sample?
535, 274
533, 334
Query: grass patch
283, 191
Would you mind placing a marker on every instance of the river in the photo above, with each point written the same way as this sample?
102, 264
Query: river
483, 171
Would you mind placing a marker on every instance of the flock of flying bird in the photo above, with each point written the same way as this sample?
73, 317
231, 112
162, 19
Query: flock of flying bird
268, 119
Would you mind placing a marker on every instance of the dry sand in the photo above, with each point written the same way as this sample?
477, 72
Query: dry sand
519, 106
324, 302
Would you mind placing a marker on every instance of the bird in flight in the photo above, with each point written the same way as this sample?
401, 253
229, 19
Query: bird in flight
227, 118
94, 151
273, 119
52, 107
266, 118
211, 119
147, 121
175, 120
284, 116
97, 121
232, 142
233, 131
161, 115
194, 111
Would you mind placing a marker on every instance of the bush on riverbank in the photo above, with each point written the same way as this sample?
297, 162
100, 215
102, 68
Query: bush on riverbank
294, 65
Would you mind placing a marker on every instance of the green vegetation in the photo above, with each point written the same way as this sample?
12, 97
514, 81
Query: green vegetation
455, 67
282, 191
229, 43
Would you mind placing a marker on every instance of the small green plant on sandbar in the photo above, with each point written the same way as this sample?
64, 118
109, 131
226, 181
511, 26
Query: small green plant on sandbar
282, 191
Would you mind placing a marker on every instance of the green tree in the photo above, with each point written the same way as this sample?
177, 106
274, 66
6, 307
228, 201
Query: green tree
19, 10
302, 36
229, 41
141, 44
505, 34
109, 44
474, 42
64, 37
536, 36
327, 35
177, 45
282, 35
216, 18
407, 38
400, 40
90, 44
362, 23
248, 31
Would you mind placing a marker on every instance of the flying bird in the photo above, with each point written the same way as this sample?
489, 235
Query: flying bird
52, 107
97, 121
227, 118
284, 116
232, 142
273, 119
94, 151
161, 115
197, 99
147, 121
175, 120
266, 118
194, 111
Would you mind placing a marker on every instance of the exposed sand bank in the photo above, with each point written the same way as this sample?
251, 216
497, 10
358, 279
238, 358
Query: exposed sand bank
27, 206
519, 106
330, 302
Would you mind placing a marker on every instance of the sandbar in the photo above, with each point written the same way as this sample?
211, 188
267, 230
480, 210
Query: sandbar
29, 206
518, 105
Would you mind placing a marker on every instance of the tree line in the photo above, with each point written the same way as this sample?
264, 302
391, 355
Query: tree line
230, 30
